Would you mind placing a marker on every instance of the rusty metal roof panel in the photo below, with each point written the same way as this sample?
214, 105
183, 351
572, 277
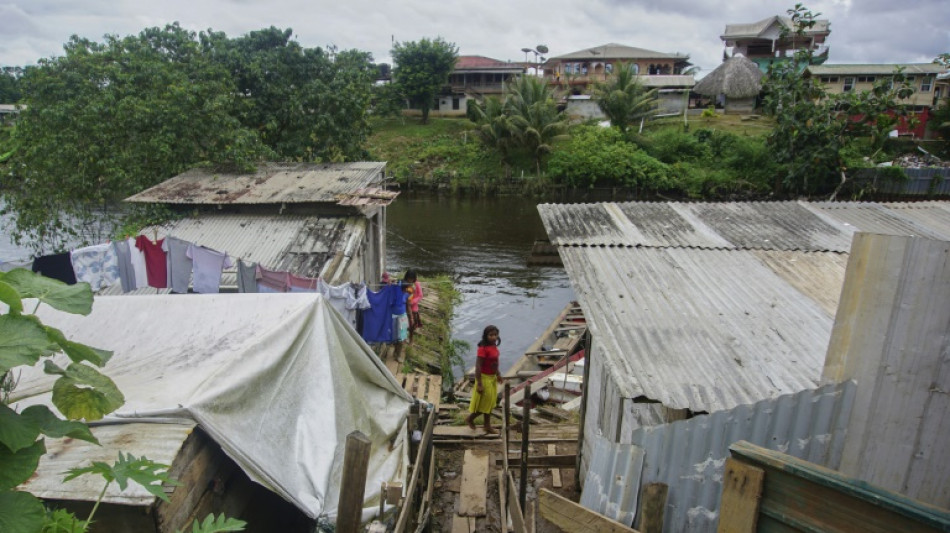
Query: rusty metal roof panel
702, 329
271, 183
757, 225
159, 442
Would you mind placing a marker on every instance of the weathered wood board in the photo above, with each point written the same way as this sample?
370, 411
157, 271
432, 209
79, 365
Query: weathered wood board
473, 500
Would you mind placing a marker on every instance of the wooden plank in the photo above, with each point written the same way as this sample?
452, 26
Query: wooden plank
473, 500
545, 461
555, 472
434, 394
514, 511
426, 443
503, 501
462, 432
572, 517
463, 524
741, 494
652, 507
353, 486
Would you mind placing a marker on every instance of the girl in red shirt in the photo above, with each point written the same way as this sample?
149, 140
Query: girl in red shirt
487, 379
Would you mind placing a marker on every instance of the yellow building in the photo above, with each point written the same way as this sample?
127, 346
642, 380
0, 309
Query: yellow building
923, 77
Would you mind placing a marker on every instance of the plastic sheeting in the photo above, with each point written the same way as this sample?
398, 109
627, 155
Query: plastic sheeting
278, 380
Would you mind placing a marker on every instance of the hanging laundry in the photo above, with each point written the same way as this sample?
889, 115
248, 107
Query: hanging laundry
96, 265
179, 264
303, 284
56, 266
377, 319
124, 259
138, 264
208, 265
6, 266
272, 280
156, 261
346, 299
246, 276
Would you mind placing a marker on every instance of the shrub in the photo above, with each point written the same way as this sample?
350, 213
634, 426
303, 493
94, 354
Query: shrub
672, 145
601, 156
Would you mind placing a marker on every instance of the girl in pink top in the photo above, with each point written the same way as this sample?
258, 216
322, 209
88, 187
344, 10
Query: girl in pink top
414, 298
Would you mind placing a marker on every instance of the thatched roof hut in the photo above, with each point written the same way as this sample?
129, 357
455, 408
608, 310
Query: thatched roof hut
738, 78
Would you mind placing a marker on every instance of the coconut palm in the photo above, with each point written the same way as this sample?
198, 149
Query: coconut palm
623, 99
534, 118
494, 128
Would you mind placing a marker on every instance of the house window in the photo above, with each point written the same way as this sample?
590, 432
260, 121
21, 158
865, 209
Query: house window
609, 68
435, 106
636, 68
455, 104
848, 85
865, 79
926, 84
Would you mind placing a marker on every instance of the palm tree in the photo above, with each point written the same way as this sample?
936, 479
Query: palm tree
494, 128
534, 118
624, 99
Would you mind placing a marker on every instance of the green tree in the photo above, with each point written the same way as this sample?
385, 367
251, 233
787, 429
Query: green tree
623, 99
422, 69
535, 121
10, 84
108, 119
307, 104
813, 127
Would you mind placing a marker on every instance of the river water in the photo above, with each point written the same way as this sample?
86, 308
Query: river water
482, 243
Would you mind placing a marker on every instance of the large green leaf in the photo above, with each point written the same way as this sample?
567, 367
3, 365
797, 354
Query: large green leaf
69, 298
22, 341
53, 426
11, 297
144, 471
17, 431
21, 512
214, 525
78, 352
17, 467
84, 393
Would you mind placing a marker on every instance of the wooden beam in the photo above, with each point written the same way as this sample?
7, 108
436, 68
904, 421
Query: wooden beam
503, 500
424, 445
546, 461
652, 507
555, 472
353, 486
514, 511
572, 517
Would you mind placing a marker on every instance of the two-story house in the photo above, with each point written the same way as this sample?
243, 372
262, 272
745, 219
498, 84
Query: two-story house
474, 77
577, 71
764, 43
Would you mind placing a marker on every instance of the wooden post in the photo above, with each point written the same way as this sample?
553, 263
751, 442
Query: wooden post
652, 506
741, 495
525, 423
353, 487
504, 447
580, 428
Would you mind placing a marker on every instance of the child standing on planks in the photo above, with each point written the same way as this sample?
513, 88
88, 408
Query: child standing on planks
487, 379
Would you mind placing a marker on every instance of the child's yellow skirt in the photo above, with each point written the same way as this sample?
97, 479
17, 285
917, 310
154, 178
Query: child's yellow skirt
484, 402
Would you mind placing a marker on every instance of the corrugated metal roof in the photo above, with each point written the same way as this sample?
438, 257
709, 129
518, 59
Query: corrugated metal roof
158, 442
272, 183
293, 243
702, 330
925, 219
606, 52
756, 29
689, 456
877, 69
769, 226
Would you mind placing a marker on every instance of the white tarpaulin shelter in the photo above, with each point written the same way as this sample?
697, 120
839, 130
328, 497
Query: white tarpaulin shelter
277, 380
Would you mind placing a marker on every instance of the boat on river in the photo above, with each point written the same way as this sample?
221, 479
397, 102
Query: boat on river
554, 359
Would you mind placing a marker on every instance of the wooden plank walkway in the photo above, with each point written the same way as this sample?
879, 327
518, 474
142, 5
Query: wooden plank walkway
473, 499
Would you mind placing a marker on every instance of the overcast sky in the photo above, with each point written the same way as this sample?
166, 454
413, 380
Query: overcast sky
863, 31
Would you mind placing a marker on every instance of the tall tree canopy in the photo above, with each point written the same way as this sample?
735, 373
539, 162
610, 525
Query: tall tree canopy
108, 119
422, 68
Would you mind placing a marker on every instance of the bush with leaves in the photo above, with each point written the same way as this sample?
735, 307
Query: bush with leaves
81, 393
597, 156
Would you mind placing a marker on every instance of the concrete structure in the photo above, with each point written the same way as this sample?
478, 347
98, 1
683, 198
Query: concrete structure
763, 41
474, 77
577, 71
